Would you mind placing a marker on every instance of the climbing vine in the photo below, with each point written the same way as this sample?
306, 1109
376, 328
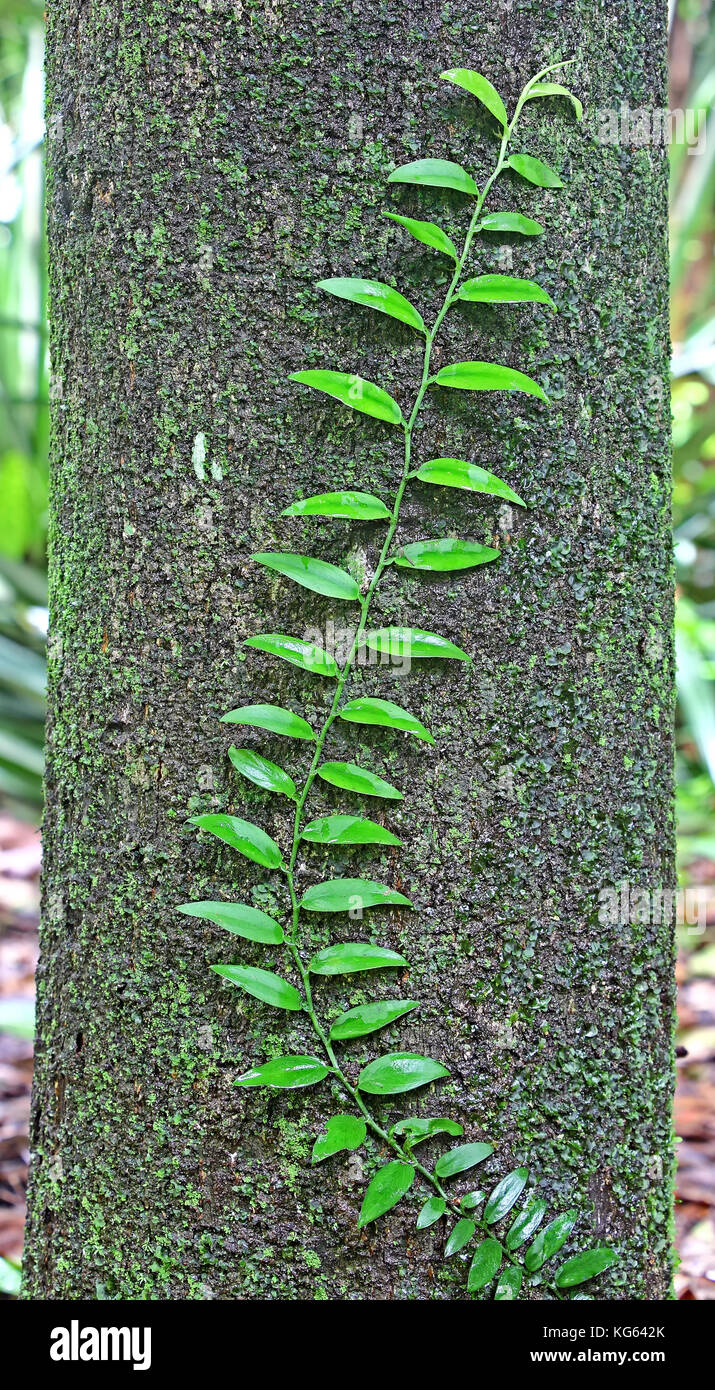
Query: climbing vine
476, 1216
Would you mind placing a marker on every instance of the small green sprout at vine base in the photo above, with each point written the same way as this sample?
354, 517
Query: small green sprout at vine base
506, 1250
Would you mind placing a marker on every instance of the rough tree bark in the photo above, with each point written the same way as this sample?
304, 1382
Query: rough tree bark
207, 163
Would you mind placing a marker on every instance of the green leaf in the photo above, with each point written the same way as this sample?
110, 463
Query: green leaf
317, 575
366, 710
486, 1262
375, 295
347, 830
554, 89
435, 173
262, 984
510, 222
244, 836
10, 1278
459, 1236
271, 717
549, 1240
389, 1184
505, 1194
417, 1130
430, 1213
471, 1200
303, 654
461, 1159
357, 779
341, 894
479, 87
285, 1073
534, 171
357, 506
585, 1266
444, 555
341, 1132
428, 233
367, 1018
487, 376
459, 473
352, 956
412, 643
524, 1225
355, 392
509, 1283
503, 289
264, 773
397, 1072
238, 918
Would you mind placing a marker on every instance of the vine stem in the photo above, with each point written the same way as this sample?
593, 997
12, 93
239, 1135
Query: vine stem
344, 674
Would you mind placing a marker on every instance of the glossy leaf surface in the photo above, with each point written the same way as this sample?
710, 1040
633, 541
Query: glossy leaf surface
524, 1225
471, 1200
356, 506
238, 918
505, 1195
461, 1159
340, 894
433, 1209
549, 1240
444, 555
510, 222
459, 1236
367, 1018
508, 1284
350, 957
353, 391
317, 575
262, 773
503, 289
469, 476
304, 654
347, 830
534, 171
416, 1130
244, 836
585, 1266
485, 1264
479, 87
374, 295
436, 173
413, 643
428, 233
397, 1072
352, 778
487, 376
271, 717
389, 1184
342, 1132
262, 984
285, 1073
366, 710
555, 89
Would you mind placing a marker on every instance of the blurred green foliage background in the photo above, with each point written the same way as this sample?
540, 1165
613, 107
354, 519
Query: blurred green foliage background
24, 388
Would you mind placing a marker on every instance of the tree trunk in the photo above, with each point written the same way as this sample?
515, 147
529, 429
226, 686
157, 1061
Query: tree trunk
208, 162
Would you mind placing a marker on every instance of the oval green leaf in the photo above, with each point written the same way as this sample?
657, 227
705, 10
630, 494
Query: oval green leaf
471, 1200
585, 1266
505, 1194
461, 1159
479, 87
238, 918
444, 555
398, 1072
262, 772
389, 1184
244, 836
459, 1236
554, 89
262, 984
428, 233
341, 894
365, 710
374, 295
525, 1224
357, 506
534, 171
317, 575
485, 1264
503, 289
417, 1130
430, 1213
510, 222
459, 473
342, 1132
435, 173
271, 717
347, 830
352, 778
410, 643
509, 1284
285, 1073
303, 654
352, 956
353, 391
549, 1240
487, 376
367, 1018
